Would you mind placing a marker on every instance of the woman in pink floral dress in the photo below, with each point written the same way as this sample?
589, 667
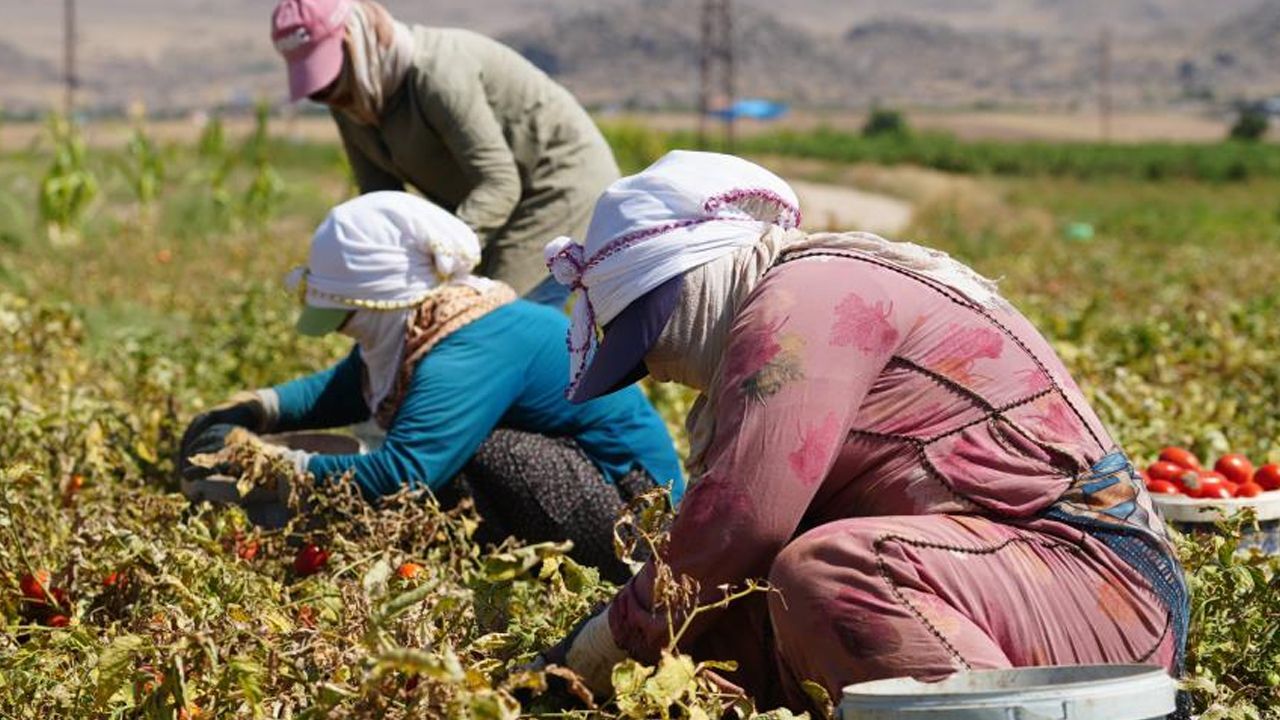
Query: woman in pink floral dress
880, 436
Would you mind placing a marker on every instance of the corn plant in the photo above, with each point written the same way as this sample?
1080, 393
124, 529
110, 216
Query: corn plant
144, 167
257, 144
69, 186
213, 140
262, 198
217, 163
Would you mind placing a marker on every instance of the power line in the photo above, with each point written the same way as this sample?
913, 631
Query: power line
1104, 86
69, 40
716, 67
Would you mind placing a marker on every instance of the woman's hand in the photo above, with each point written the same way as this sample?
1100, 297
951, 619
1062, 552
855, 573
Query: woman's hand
208, 431
241, 468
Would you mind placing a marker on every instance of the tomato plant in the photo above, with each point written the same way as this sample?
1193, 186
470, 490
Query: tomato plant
111, 345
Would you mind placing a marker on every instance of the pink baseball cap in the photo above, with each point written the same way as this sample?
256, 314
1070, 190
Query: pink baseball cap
309, 34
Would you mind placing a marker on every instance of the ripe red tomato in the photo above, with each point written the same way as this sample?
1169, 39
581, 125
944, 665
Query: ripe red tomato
58, 621
1201, 482
1215, 492
247, 550
1235, 467
1165, 470
1162, 487
309, 560
1249, 490
33, 585
1268, 476
1180, 456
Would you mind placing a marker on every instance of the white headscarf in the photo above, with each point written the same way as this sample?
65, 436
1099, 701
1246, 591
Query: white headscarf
381, 255
685, 210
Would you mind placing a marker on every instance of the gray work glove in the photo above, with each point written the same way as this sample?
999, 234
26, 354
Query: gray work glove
222, 483
207, 433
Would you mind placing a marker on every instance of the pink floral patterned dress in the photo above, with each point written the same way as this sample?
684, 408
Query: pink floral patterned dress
897, 462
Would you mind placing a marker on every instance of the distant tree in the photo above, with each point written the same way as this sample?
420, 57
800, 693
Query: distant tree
885, 122
1251, 125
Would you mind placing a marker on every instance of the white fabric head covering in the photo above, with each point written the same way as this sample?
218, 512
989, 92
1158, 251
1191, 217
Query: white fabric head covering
687, 209
381, 254
385, 250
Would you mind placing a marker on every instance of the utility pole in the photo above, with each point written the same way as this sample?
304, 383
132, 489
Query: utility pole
69, 56
715, 66
1104, 86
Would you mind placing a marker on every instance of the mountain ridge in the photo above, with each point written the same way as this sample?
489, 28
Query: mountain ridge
643, 53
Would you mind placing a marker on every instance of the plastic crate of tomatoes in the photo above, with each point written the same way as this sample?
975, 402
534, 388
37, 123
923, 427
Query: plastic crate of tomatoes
1192, 497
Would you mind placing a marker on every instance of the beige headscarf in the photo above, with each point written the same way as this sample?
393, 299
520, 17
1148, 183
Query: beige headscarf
692, 347
443, 312
379, 54
720, 222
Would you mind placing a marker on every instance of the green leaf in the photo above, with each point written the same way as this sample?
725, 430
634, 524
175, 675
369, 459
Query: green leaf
628, 680
411, 661
819, 696
503, 567
375, 579
115, 666
402, 602
629, 676
672, 681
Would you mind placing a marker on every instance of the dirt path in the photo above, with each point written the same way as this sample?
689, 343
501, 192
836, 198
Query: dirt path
838, 207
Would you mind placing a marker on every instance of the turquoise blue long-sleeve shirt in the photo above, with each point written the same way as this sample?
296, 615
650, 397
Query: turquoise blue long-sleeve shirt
506, 369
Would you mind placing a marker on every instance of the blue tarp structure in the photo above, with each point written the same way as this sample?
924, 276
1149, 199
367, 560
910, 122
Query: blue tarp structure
752, 109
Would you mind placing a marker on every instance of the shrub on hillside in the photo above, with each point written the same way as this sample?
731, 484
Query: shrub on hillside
1251, 125
885, 122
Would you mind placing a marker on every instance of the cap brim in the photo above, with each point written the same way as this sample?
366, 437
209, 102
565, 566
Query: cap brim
313, 70
316, 321
619, 360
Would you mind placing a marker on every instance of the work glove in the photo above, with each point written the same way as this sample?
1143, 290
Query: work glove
223, 483
207, 433
590, 651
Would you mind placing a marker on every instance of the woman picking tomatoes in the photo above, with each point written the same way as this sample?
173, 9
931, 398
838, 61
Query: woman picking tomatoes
464, 381
880, 435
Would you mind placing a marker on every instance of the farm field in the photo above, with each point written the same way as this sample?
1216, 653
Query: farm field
156, 292
994, 124
1043, 125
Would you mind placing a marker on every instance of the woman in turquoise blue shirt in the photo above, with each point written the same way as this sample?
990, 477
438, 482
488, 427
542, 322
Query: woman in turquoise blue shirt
465, 384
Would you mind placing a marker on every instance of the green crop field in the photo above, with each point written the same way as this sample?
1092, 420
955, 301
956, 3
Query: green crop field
141, 284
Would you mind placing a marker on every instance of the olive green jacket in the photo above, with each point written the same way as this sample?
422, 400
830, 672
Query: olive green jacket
480, 131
